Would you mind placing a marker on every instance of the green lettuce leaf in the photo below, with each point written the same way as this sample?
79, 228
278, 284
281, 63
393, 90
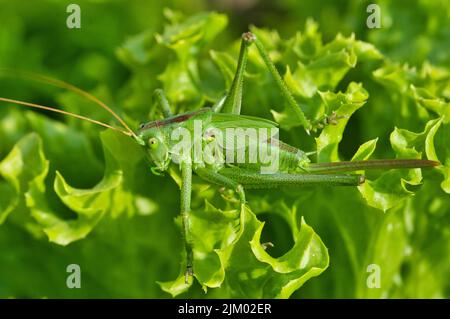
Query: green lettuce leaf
229, 256
20, 168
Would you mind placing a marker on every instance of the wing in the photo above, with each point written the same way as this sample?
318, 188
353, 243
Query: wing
225, 120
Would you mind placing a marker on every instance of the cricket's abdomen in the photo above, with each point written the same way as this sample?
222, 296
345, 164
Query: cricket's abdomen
292, 159
292, 162
271, 156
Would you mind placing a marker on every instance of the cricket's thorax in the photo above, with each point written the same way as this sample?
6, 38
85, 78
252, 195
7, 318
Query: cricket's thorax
159, 136
181, 119
217, 140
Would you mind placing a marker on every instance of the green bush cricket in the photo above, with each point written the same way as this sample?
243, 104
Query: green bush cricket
293, 169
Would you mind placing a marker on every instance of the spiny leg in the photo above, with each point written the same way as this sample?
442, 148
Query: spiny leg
219, 179
233, 100
293, 105
256, 180
162, 102
348, 166
217, 107
186, 189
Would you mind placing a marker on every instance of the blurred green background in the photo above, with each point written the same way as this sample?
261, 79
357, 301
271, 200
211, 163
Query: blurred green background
116, 56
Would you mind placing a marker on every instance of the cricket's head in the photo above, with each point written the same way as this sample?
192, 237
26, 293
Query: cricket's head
155, 144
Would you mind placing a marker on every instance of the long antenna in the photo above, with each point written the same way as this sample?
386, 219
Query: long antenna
70, 87
38, 106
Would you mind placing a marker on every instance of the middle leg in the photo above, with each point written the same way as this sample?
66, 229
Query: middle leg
233, 100
217, 178
162, 102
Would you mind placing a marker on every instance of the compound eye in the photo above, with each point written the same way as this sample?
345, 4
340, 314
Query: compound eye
153, 142
141, 126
